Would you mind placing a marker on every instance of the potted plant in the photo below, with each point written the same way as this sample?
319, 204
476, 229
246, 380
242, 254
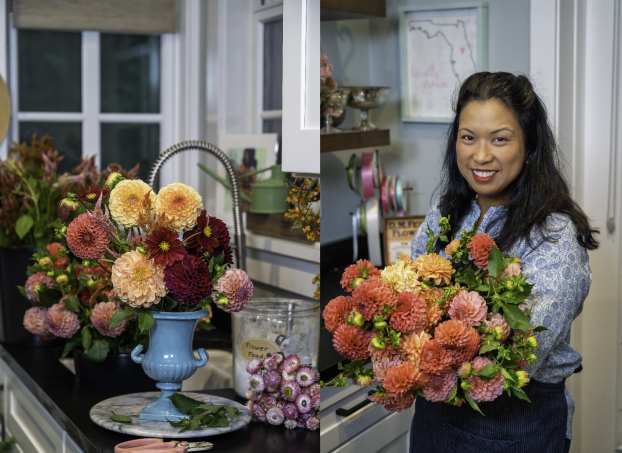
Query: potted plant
30, 191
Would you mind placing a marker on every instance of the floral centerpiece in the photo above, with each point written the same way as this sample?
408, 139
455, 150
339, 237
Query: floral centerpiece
446, 329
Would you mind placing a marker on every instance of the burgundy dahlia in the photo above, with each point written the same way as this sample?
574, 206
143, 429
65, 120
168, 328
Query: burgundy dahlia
92, 194
164, 246
209, 234
188, 280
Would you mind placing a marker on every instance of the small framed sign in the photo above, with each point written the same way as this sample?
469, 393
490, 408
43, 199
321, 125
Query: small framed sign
398, 236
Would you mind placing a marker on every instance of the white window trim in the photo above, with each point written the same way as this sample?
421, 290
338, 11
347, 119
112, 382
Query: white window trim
91, 117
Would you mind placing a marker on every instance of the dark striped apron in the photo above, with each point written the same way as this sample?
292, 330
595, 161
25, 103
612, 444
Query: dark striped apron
511, 425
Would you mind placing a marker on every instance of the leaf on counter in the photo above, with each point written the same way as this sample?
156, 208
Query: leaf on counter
120, 418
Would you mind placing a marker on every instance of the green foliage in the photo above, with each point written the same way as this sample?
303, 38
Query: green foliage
145, 320
120, 418
210, 415
98, 351
6, 446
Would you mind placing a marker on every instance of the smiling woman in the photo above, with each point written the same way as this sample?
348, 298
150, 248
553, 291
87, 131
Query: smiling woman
501, 172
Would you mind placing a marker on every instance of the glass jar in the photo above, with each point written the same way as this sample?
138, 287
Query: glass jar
270, 325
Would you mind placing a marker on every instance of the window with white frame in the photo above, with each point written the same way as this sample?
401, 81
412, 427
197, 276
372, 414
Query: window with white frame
269, 19
98, 94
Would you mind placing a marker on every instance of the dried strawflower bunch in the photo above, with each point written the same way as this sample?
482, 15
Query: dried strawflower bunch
282, 391
445, 329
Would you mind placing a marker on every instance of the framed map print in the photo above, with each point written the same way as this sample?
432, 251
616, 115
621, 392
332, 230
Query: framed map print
440, 47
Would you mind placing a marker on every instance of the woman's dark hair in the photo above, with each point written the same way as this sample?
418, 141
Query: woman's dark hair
539, 190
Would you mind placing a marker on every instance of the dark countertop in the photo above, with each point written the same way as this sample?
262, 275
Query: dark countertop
69, 400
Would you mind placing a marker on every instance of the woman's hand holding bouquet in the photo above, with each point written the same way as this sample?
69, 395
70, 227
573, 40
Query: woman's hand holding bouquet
448, 330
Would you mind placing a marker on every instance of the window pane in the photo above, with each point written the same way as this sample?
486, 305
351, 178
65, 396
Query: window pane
130, 144
67, 139
49, 71
273, 66
130, 73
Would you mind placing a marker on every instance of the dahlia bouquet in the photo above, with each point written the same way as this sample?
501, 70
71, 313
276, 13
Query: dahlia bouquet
283, 391
156, 252
66, 305
446, 329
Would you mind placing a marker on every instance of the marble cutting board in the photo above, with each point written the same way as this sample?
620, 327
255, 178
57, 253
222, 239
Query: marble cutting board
131, 406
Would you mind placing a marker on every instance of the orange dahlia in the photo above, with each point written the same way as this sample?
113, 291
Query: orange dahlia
181, 204
435, 315
351, 342
412, 345
138, 281
452, 247
389, 352
382, 366
54, 248
86, 238
469, 350
431, 295
127, 202
479, 249
403, 379
336, 312
452, 334
393, 404
363, 269
411, 314
371, 295
434, 267
407, 260
435, 359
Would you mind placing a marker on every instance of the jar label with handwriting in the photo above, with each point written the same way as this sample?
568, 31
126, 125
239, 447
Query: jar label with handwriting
257, 348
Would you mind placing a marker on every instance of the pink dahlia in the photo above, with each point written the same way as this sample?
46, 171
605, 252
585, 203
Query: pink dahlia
61, 322
34, 322
188, 280
363, 269
382, 366
38, 279
439, 387
351, 342
86, 238
101, 316
371, 295
411, 314
337, 312
498, 320
237, 288
479, 249
484, 390
468, 307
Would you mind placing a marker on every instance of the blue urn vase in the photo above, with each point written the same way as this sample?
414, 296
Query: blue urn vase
169, 359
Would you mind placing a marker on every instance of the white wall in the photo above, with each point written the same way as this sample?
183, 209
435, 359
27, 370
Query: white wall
366, 52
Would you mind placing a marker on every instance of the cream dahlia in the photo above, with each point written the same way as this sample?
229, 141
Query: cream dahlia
351, 342
468, 307
513, 270
101, 316
181, 204
498, 320
86, 238
336, 312
34, 322
411, 314
401, 277
371, 295
439, 387
484, 390
127, 201
434, 267
137, 280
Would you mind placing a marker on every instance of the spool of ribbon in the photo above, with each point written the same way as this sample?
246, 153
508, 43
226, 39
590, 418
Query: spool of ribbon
378, 177
392, 201
368, 174
399, 194
372, 220
354, 173
355, 234
384, 196
362, 217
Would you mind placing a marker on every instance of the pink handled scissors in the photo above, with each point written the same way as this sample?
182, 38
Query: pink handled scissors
153, 445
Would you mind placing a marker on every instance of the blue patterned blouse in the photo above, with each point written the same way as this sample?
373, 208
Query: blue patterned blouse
561, 274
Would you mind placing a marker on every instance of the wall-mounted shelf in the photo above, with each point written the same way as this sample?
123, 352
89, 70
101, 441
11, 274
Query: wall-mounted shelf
354, 140
352, 9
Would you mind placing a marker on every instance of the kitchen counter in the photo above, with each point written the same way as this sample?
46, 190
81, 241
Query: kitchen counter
68, 401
